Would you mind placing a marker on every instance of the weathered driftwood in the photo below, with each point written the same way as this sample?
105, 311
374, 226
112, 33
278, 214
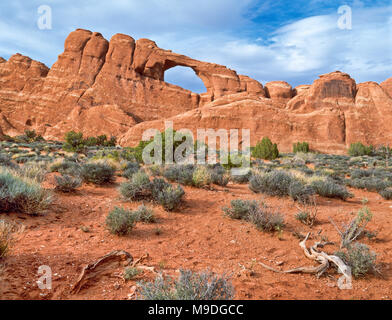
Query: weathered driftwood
321, 257
103, 266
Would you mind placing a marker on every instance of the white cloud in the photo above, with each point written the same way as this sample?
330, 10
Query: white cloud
217, 31
300, 51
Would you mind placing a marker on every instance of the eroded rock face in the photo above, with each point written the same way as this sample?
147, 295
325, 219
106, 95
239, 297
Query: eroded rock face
279, 90
387, 86
117, 88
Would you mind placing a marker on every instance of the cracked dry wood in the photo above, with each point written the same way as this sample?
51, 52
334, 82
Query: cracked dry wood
321, 257
103, 266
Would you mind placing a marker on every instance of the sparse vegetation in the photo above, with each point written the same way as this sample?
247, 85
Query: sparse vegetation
241, 209
170, 197
182, 174
308, 213
189, 286
302, 176
201, 177
330, 189
358, 149
97, 173
301, 147
66, 183
74, 141
300, 192
386, 193
266, 150
260, 215
353, 230
219, 175
138, 188
130, 169
21, 194
145, 214
121, 221
274, 183
359, 257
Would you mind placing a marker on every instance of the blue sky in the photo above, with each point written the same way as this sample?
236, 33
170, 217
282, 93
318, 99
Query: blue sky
268, 40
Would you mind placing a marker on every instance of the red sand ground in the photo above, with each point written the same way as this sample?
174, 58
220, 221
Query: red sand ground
196, 237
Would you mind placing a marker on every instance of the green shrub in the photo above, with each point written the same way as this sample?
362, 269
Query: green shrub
303, 216
145, 214
155, 170
169, 134
359, 257
130, 169
266, 150
201, 177
219, 175
29, 136
250, 210
386, 193
34, 170
136, 153
308, 214
359, 173
97, 173
121, 221
241, 209
300, 192
139, 187
170, 197
358, 149
330, 189
231, 160
182, 174
159, 190
189, 286
6, 161
266, 220
66, 183
243, 178
74, 142
101, 140
369, 183
21, 194
301, 147
274, 183
66, 167
157, 185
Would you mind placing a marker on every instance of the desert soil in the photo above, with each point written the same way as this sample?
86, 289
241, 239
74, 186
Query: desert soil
197, 236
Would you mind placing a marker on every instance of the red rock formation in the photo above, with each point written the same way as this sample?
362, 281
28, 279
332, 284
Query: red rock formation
279, 90
387, 86
118, 88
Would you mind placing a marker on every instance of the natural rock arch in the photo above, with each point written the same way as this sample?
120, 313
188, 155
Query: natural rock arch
191, 81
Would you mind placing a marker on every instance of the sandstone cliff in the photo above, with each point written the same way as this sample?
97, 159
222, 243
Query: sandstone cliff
118, 88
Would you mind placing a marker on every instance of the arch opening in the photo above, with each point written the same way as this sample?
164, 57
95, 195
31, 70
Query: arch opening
186, 78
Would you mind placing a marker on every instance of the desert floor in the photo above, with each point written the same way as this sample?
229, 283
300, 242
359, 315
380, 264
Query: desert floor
197, 236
